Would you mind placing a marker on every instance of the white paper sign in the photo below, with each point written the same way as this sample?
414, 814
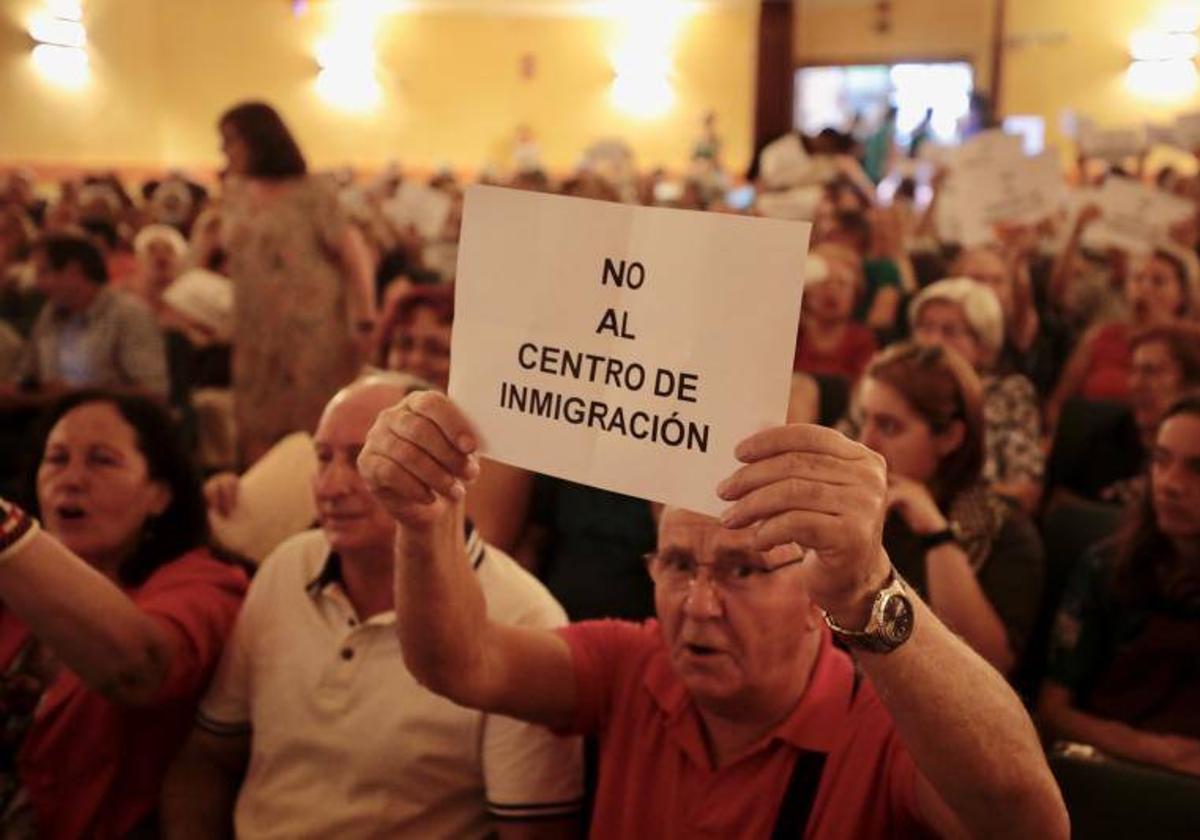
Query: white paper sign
1186, 131
629, 348
1112, 145
1135, 216
784, 163
274, 500
797, 204
422, 207
204, 297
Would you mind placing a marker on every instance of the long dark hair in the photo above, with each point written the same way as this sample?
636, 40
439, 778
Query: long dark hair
1144, 554
274, 154
941, 387
183, 526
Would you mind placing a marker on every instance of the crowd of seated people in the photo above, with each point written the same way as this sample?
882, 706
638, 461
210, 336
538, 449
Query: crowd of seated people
994, 385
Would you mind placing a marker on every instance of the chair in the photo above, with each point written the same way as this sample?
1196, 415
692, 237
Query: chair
1111, 799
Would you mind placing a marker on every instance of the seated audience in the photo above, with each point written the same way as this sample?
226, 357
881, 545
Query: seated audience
112, 620
1108, 460
161, 252
733, 714
1157, 291
1122, 674
89, 335
973, 554
1035, 343
965, 316
313, 728
830, 342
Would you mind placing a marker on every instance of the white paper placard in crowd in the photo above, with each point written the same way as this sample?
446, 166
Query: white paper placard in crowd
274, 500
1186, 131
784, 163
797, 204
629, 348
204, 297
1135, 216
1113, 145
420, 206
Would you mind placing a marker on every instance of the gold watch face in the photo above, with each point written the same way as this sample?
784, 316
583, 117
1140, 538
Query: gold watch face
896, 618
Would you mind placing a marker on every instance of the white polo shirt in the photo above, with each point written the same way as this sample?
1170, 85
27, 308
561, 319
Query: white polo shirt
346, 743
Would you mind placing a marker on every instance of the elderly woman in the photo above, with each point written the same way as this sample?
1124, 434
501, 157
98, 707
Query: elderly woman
1122, 673
965, 316
1159, 290
974, 556
111, 621
161, 253
830, 342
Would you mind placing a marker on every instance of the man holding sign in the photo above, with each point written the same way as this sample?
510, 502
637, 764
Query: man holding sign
732, 715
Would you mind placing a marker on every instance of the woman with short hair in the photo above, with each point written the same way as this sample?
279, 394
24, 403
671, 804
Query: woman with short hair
965, 316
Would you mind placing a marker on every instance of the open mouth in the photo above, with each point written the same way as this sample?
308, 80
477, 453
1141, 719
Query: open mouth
70, 513
701, 650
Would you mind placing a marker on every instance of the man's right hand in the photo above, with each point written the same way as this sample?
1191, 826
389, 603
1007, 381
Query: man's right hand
418, 459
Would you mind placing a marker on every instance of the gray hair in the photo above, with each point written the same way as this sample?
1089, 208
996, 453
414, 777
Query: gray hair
979, 306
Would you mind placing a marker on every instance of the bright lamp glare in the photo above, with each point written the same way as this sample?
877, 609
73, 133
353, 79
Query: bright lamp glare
63, 33
1149, 45
642, 96
1163, 80
66, 9
66, 67
1178, 17
352, 89
642, 57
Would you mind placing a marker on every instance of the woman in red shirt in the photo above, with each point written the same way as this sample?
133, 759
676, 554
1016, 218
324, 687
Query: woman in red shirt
111, 620
1161, 290
830, 342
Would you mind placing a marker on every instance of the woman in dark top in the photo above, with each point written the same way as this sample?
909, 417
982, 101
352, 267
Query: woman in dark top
973, 556
1124, 670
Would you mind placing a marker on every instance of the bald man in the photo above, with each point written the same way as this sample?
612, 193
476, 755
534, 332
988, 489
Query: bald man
313, 727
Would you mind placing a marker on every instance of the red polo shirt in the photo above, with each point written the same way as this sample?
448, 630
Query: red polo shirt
656, 779
93, 768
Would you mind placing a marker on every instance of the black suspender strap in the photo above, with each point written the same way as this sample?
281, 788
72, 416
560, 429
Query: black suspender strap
799, 797
801, 791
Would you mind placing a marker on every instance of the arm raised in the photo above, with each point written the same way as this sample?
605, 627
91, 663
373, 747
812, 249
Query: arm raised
418, 458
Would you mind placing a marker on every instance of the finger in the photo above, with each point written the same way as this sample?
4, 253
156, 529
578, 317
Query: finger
229, 496
447, 417
424, 468
791, 494
391, 482
799, 437
425, 434
815, 466
819, 532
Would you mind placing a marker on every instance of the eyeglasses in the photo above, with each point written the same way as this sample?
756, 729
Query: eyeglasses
677, 571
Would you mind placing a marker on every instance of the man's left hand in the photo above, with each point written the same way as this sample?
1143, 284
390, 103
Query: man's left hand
815, 487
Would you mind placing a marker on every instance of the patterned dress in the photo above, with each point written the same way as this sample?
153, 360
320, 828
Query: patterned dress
292, 339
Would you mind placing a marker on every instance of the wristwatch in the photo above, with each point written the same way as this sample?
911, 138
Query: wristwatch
929, 542
890, 624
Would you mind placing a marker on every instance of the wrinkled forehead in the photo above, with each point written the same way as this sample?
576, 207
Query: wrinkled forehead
704, 538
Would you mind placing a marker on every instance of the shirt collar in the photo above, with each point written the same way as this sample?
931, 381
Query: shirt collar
331, 569
815, 723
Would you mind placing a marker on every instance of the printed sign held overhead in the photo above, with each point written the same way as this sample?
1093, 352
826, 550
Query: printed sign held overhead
629, 348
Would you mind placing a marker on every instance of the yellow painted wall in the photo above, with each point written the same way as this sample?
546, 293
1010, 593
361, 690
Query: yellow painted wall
842, 31
163, 70
1059, 54
1084, 71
